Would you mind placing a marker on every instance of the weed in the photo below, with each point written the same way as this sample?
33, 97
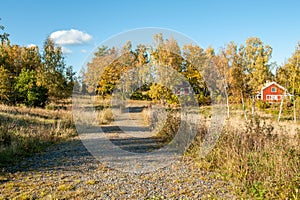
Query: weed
91, 182
260, 163
24, 131
105, 116
65, 187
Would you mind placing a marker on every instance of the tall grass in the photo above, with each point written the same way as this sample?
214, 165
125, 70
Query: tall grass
105, 116
260, 163
24, 131
165, 123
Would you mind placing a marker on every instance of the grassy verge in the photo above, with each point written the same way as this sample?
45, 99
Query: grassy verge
259, 162
24, 131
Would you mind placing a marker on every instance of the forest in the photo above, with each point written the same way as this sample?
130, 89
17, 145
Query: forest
243, 69
31, 77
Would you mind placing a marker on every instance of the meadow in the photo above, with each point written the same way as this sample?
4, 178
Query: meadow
24, 131
258, 157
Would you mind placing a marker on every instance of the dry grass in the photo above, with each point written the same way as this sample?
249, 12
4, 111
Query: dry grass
105, 116
260, 157
24, 131
260, 163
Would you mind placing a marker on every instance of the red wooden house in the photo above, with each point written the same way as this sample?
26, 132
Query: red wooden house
273, 92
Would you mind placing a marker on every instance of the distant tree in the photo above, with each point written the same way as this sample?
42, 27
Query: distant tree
31, 58
193, 66
3, 36
258, 68
71, 80
289, 76
6, 88
222, 62
166, 60
255, 57
103, 58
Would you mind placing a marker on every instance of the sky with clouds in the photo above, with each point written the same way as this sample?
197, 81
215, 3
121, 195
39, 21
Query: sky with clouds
80, 26
65, 38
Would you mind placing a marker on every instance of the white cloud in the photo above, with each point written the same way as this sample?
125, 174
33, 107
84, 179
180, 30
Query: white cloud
31, 45
83, 51
65, 50
69, 37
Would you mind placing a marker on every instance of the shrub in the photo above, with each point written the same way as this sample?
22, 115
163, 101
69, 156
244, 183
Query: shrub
105, 116
27, 90
262, 104
166, 123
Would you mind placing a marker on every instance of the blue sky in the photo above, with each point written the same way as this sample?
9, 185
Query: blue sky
214, 23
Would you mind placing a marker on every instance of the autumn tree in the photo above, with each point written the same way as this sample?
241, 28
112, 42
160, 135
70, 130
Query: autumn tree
167, 61
3, 36
193, 66
103, 58
289, 75
28, 78
53, 73
258, 68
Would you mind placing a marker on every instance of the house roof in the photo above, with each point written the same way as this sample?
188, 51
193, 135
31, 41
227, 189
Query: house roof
271, 83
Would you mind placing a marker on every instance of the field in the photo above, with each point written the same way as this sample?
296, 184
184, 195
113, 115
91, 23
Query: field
40, 156
24, 131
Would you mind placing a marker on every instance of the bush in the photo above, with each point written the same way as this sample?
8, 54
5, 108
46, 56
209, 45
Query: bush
167, 123
203, 100
138, 95
27, 90
262, 104
105, 116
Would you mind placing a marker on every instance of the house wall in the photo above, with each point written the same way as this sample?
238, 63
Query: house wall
268, 91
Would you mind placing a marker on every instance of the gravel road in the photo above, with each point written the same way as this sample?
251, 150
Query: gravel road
69, 171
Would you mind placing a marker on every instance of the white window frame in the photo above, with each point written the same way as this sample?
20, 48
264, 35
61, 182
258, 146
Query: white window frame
273, 97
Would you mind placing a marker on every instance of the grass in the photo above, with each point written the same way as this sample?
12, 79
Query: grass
105, 116
91, 182
259, 157
24, 131
65, 187
259, 162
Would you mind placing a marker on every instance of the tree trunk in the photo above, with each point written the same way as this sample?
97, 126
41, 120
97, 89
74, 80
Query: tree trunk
243, 103
227, 103
295, 116
280, 109
253, 106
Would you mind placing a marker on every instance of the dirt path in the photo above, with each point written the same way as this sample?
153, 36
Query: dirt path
69, 171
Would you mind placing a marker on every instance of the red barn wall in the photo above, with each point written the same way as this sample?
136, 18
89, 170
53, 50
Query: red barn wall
268, 91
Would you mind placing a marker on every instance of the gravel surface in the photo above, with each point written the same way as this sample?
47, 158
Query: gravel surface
69, 171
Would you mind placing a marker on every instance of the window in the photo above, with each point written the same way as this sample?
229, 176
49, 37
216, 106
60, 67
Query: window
273, 97
273, 89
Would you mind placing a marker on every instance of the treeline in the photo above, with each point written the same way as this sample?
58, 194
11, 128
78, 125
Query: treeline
30, 77
243, 69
